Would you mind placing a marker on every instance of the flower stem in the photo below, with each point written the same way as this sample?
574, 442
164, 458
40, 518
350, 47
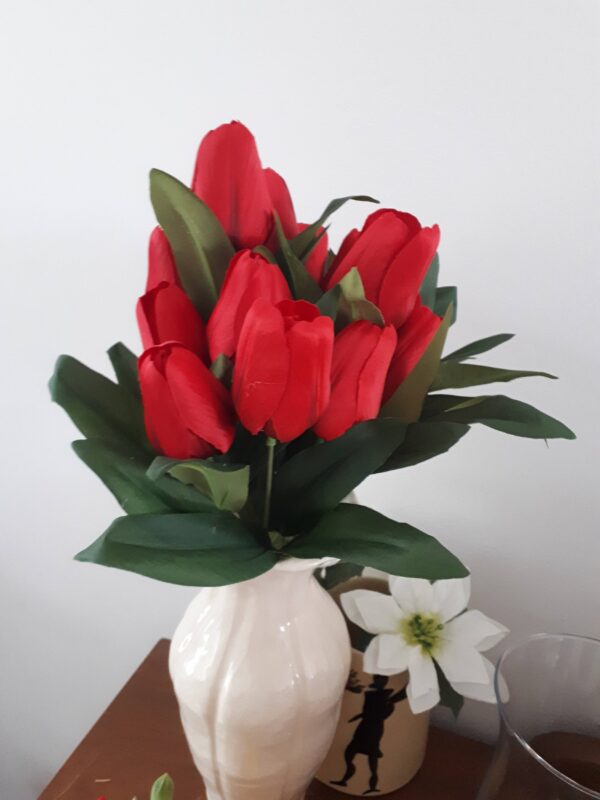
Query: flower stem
269, 480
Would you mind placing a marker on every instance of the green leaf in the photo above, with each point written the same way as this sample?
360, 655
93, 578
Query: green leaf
444, 297
122, 469
478, 347
98, 407
406, 403
222, 369
455, 375
429, 285
210, 549
124, 363
425, 440
338, 573
302, 285
162, 788
301, 244
225, 484
200, 246
315, 480
449, 697
363, 536
345, 302
503, 414
265, 253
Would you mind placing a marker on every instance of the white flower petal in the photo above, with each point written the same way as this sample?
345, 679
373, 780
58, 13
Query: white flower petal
372, 611
483, 692
422, 691
452, 596
413, 595
475, 630
372, 659
461, 663
393, 653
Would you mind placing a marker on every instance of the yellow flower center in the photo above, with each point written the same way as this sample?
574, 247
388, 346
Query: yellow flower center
422, 630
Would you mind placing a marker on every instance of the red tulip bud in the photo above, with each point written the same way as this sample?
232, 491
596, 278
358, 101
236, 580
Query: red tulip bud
361, 357
161, 264
281, 379
166, 314
249, 276
187, 411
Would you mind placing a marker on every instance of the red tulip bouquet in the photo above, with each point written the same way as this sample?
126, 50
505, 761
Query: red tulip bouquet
276, 375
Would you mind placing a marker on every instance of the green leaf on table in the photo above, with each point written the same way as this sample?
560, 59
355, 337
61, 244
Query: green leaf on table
201, 248
478, 347
209, 549
429, 285
316, 479
449, 697
338, 573
301, 244
499, 412
122, 469
424, 440
162, 788
444, 297
362, 536
124, 363
97, 406
302, 284
346, 302
225, 484
455, 375
406, 403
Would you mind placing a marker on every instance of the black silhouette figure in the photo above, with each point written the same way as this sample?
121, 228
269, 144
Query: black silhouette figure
378, 706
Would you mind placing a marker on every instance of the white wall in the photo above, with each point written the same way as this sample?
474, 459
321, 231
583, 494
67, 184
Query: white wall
482, 116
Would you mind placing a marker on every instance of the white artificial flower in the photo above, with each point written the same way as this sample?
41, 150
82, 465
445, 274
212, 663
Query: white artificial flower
421, 623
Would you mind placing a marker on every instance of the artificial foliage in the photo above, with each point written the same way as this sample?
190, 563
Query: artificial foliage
275, 376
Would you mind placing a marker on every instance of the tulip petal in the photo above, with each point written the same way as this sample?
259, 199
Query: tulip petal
249, 276
308, 385
202, 401
229, 178
374, 612
165, 429
262, 365
414, 338
399, 287
161, 264
423, 691
165, 314
281, 201
361, 357
452, 595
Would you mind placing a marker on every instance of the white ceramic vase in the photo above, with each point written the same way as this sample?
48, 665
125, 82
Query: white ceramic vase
259, 670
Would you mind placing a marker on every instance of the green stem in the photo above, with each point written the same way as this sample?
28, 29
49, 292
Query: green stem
269, 481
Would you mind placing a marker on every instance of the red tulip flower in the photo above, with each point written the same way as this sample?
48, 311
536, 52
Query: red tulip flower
187, 411
414, 338
231, 180
392, 254
161, 264
166, 314
282, 374
361, 357
249, 276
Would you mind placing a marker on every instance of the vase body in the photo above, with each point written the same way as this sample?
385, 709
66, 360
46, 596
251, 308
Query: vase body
548, 693
379, 745
259, 670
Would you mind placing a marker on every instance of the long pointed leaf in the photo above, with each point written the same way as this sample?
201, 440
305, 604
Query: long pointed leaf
302, 285
425, 440
225, 484
455, 375
200, 246
429, 285
478, 347
301, 244
124, 363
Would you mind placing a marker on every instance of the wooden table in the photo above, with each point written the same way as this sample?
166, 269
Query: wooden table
139, 736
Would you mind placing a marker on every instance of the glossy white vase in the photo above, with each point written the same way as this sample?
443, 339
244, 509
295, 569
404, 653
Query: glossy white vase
259, 670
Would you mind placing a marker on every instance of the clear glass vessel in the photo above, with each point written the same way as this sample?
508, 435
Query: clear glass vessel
548, 691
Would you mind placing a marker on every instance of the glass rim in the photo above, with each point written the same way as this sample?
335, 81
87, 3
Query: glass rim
505, 716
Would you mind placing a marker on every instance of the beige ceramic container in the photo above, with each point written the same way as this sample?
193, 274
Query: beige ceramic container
379, 744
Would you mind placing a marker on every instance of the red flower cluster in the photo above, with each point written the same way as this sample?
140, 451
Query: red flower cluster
291, 371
